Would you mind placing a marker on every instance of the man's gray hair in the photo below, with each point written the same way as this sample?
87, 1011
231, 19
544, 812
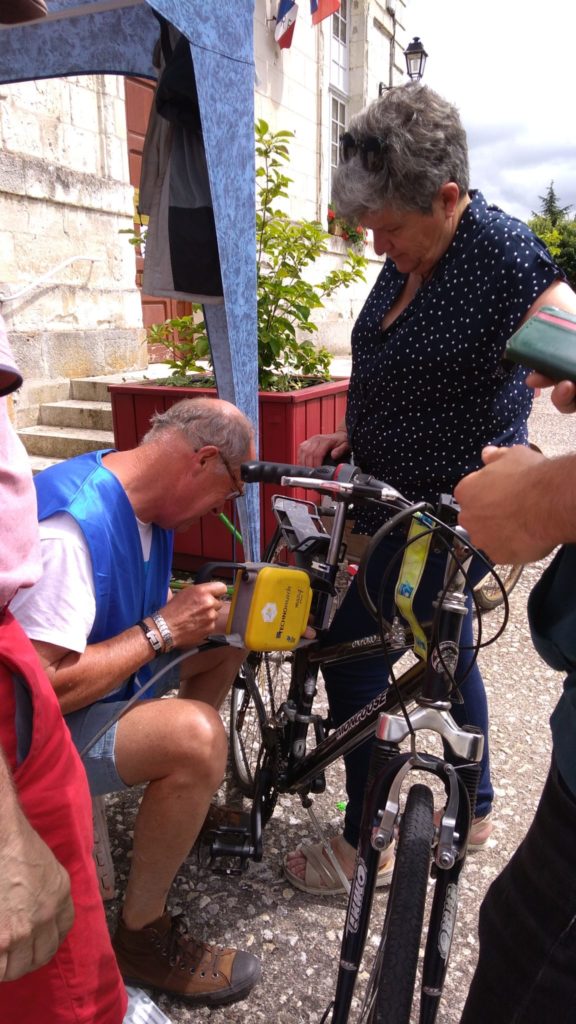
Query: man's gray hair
424, 146
205, 421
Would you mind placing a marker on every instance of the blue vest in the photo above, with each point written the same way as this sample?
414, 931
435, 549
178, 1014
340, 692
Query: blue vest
126, 588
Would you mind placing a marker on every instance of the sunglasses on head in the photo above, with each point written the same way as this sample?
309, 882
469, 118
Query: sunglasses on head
371, 150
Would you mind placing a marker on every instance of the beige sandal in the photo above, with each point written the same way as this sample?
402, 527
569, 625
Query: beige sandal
321, 878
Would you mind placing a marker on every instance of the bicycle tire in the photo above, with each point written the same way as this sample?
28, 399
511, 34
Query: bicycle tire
259, 690
397, 958
487, 591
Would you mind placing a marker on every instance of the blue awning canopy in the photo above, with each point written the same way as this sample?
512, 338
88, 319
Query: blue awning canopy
118, 37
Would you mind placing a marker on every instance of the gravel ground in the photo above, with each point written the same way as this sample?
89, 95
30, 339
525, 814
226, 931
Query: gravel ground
297, 937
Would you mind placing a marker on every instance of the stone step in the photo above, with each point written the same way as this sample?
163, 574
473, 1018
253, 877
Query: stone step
38, 463
76, 413
64, 442
91, 389
95, 389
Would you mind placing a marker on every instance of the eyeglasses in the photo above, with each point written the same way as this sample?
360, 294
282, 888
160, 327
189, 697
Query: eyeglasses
238, 487
371, 150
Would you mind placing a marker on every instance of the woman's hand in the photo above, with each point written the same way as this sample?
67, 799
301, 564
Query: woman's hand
314, 450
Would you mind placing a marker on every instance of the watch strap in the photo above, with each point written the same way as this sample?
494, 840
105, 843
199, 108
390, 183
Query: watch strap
152, 637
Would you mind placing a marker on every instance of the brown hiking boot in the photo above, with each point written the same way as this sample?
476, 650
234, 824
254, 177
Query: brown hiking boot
163, 956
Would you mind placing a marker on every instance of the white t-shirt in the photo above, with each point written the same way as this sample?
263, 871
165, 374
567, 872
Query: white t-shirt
61, 607
19, 546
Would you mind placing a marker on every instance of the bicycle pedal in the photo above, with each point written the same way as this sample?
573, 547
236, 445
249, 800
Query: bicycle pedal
230, 847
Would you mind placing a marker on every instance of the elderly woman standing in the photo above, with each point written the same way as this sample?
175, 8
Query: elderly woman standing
428, 388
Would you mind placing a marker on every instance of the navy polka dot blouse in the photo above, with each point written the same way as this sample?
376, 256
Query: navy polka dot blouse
431, 390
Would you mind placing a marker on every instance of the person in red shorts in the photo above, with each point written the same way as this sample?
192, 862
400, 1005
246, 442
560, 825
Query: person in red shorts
56, 958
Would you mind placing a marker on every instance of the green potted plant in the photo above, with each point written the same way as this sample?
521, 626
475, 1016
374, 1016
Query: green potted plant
296, 396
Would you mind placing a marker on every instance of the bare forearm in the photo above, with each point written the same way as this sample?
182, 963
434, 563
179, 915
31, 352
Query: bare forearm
554, 501
521, 505
81, 679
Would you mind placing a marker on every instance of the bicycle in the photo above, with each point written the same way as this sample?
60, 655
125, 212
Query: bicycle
272, 714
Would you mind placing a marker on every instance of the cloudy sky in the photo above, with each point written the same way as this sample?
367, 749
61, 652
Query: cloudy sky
510, 67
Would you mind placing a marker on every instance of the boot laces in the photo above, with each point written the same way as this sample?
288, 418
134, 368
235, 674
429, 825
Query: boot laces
185, 952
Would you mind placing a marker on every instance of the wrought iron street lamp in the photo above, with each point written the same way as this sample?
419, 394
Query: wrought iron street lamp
415, 56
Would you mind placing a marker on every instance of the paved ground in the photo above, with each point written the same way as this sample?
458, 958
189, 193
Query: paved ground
298, 937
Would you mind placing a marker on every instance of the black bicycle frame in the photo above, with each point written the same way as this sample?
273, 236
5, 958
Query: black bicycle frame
460, 776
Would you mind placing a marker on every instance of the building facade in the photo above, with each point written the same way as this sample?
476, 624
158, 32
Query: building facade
69, 163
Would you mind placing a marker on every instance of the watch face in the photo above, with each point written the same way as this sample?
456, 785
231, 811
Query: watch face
154, 640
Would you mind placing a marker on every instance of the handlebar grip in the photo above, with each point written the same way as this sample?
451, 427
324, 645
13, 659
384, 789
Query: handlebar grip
272, 472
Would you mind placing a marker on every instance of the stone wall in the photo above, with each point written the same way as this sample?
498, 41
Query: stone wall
67, 274
65, 196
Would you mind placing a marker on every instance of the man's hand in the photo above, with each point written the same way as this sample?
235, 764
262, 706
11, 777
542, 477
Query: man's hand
504, 506
194, 613
563, 393
314, 450
36, 910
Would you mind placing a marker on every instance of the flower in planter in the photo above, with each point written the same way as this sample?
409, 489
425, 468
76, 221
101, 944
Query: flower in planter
349, 233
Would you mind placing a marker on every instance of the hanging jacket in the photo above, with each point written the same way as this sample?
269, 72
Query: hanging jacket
181, 258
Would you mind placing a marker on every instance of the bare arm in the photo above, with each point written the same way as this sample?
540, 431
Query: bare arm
558, 294
36, 911
80, 679
520, 506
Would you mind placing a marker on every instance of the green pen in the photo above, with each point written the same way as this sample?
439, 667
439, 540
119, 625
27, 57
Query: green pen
230, 526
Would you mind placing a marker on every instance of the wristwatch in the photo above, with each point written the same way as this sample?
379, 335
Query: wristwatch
163, 629
152, 638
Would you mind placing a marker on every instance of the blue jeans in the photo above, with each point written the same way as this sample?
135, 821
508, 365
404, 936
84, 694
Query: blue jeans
354, 683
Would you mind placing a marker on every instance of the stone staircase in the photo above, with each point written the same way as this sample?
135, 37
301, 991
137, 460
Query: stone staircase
69, 426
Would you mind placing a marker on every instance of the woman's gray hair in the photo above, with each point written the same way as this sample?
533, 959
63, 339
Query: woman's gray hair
424, 146
205, 421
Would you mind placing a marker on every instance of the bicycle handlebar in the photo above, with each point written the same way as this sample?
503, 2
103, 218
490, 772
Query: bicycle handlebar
343, 479
272, 472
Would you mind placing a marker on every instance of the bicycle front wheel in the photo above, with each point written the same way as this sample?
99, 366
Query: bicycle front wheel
488, 593
394, 973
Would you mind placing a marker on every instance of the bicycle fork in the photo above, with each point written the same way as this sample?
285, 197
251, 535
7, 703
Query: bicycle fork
389, 769
381, 817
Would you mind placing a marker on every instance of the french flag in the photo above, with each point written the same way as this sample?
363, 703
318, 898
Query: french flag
285, 23
320, 9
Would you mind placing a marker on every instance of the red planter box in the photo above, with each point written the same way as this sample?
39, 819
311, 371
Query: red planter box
286, 419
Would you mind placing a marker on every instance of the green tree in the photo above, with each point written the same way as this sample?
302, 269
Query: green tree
550, 207
557, 232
